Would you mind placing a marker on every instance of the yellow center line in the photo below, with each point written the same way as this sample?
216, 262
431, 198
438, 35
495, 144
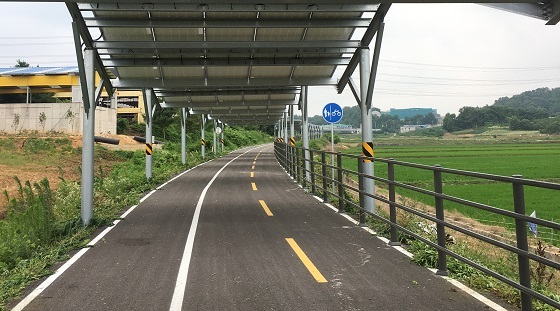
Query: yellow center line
253, 167
252, 174
265, 207
306, 262
254, 186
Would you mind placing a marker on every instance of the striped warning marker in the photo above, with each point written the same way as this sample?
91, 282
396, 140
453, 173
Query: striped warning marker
222, 141
203, 142
367, 150
149, 149
292, 141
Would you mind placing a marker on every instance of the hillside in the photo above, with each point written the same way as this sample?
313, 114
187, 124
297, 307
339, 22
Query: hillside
543, 98
536, 110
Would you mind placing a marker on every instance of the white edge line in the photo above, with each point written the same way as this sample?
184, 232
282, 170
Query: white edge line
454, 282
46, 283
182, 275
37, 291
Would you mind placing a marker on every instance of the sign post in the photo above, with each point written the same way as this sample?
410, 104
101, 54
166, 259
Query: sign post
332, 113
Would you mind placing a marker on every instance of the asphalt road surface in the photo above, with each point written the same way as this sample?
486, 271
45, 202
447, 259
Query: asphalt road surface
238, 234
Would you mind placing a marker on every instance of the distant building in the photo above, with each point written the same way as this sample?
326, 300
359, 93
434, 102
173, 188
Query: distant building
64, 116
410, 112
411, 128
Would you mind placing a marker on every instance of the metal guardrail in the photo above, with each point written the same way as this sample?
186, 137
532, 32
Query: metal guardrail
292, 159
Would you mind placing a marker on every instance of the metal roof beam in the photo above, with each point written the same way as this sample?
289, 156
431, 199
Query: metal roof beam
226, 61
264, 104
179, 83
81, 29
228, 6
209, 45
246, 92
366, 40
116, 52
238, 23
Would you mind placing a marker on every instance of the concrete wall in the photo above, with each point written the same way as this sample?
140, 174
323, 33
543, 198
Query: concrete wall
59, 117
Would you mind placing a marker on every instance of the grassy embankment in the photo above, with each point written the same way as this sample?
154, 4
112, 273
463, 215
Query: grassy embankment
42, 225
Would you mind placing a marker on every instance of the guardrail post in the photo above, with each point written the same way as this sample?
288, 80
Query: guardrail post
304, 168
312, 164
438, 188
324, 173
340, 183
298, 167
361, 194
522, 244
394, 241
291, 169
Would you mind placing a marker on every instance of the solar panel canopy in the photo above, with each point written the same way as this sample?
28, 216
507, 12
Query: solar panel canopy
241, 62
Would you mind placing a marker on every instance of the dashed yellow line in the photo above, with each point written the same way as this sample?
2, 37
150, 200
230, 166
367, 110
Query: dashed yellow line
265, 207
254, 162
252, 174
254, 186
253, 167
306, 262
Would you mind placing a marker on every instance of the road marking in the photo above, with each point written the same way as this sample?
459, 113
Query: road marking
252, 174
254, 186
181, 283
265, 207
306, 262
253, 167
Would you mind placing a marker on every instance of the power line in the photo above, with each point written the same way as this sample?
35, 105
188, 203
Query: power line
475, 67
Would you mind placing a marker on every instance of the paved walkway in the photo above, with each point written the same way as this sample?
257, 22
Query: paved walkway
244, 237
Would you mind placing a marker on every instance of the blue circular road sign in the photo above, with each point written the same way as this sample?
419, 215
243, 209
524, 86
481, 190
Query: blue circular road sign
332, 113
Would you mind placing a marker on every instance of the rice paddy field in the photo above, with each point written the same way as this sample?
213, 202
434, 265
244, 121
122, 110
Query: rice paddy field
531, 157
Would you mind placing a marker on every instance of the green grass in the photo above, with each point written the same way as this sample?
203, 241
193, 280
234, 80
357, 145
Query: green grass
534, 161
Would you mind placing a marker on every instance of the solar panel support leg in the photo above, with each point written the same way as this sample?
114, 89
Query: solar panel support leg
87, 136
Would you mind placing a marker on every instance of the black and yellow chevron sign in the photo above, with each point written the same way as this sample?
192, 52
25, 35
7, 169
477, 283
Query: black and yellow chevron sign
292, 141
203, 142
367, 150
149, 149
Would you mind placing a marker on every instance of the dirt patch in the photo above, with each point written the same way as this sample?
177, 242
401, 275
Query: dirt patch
65, 165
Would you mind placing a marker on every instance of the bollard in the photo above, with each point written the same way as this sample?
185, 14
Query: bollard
522, 244
438, 188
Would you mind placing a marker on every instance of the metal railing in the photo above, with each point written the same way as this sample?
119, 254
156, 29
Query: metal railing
292, 159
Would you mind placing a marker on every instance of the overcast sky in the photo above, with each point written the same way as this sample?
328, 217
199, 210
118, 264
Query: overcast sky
442, 56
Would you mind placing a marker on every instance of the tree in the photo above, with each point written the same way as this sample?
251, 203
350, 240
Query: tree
21, 63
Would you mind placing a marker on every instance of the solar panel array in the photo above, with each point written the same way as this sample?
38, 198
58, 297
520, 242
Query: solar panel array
240, 63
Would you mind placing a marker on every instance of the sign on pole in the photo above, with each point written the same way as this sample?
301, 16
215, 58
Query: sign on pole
332, 113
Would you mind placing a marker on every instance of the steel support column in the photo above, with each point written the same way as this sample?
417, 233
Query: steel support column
88, 132
214, 137
184, 135
222, 140
202, 138
305, 130
292, 134
148, 104
367, 167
